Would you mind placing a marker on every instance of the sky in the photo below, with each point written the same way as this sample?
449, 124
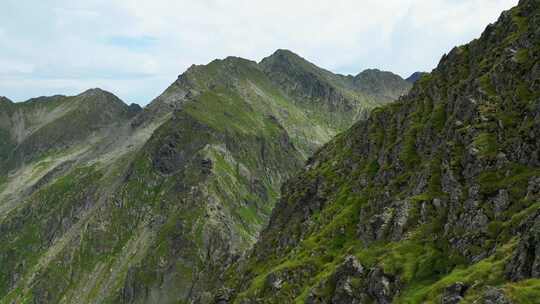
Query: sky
137, 48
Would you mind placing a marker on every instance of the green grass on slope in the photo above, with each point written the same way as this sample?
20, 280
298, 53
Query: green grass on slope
424, 264
248, 104
31, 230
230, 111
445, 154
524, 292
489, 271
423, 261
242, 94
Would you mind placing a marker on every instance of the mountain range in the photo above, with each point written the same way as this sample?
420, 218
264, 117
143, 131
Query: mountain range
101, 202
281, 182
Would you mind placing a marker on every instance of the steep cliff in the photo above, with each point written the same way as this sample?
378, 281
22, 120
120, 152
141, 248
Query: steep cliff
432, 199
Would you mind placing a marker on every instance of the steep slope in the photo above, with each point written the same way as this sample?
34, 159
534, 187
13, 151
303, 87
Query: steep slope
151, 209
433, 199
7, 143
43, 137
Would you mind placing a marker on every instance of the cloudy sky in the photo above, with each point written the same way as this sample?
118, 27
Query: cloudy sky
136, 48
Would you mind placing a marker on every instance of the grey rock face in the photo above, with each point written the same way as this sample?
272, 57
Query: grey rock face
390, 223
525, 263
382, 287
345, 291
454, 293
223, 296
501, 201
353, 284
495, 296
533, 190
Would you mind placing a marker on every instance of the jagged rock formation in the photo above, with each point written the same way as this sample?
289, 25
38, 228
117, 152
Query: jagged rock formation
432, 199
101, 202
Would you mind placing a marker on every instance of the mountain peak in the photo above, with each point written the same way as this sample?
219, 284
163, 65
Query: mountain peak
283, 55
381, 83
284, 52
101, 94
216, 63
236, 59
415, 76
94, 91
376, 73
370, 71
286, 60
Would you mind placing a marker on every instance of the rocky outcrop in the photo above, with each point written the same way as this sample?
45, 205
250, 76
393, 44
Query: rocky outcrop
454, 293
436, 194
525, 262
495, 296
390, 224
382, 287
353, 283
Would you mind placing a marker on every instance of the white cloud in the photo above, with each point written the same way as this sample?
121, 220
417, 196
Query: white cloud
136, 48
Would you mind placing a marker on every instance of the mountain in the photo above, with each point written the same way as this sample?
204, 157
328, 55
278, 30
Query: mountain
432, 199
415, 76
383, 84
33, 128
101, 202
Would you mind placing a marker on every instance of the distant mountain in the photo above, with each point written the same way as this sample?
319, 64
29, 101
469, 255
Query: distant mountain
433, 199
41, 125
386, 85
416, 76
101, 202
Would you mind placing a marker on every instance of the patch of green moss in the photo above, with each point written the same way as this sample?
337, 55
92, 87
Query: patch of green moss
489, 271
372, 168
486, 85
486, 143
522, 56
409, 154
514, 178
438, 116
526, 292
523, 92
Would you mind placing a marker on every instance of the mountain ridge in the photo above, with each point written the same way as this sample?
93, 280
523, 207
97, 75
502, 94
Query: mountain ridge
112, 205
432, 199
